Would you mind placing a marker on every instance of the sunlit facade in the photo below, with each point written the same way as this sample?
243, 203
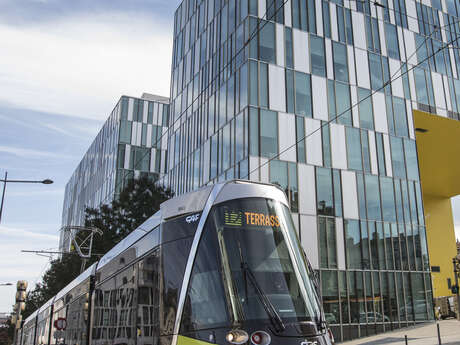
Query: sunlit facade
130, 144
241, 110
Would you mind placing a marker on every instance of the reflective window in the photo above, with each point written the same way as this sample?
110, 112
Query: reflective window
300, 135
327, 242
366, 115
318, 59
303, 15
288, 47
267, 50
275, 10
284, 174
303, 94
397, 157
268, 133
324, 193
124, 108
340, 61
125, 132
326, 19
354, 149
352, 244
329, 292
391, 37
342, 92
388, 200
410, 151
373, 197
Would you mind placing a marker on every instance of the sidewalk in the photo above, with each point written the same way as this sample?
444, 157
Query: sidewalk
418, 335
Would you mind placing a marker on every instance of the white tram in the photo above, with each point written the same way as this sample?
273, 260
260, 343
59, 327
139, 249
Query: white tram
220, 265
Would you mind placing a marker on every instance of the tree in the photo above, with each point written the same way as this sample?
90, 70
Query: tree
139, 200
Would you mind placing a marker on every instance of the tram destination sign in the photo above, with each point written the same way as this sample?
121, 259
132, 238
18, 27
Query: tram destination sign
257, 219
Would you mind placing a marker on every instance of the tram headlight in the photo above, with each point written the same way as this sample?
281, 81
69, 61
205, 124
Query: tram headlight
260, 338
237, 336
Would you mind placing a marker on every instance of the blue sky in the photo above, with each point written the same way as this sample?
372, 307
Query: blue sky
65, 64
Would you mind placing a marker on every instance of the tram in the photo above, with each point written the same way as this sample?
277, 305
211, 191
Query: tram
220, 265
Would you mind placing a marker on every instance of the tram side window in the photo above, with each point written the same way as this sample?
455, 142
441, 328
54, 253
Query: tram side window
124, 316
205, 305
105, 312
76, 316
148, 300
174, 259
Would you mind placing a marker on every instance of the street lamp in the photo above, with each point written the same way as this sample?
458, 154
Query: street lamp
6, 284
5, 181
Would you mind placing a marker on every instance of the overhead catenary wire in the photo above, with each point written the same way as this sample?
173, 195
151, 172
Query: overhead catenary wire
327, 123
253, 35
210, 83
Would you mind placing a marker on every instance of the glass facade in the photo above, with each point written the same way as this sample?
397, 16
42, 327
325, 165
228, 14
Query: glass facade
129, 144
252, 78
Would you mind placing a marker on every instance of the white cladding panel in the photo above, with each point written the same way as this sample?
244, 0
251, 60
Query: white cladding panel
280, 45
438, 88
380, 113
396, 84
309, 239
350, 197
362, 72
319, 92
307, 189
313, 142
359, 34
287, 138
339, 235
277, 88
301, 55
338, 146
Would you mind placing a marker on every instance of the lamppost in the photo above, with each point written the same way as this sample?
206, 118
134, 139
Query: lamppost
5, 181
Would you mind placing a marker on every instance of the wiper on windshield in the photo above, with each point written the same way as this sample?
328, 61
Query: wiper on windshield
275, 319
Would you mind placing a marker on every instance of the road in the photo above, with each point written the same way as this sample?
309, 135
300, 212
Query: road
418, 335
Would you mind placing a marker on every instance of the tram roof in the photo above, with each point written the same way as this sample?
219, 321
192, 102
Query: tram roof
81, 278
132, 238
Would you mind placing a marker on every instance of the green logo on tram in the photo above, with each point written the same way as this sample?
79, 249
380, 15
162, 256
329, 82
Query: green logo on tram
233, 218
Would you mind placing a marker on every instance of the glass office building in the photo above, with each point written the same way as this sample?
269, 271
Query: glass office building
130, 144
251, 78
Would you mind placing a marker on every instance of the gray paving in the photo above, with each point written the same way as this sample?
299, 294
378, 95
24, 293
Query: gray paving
419, 335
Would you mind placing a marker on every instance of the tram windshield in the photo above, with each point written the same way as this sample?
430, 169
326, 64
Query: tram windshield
250, 266
260, 249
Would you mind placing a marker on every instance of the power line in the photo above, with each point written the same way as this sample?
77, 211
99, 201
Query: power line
210, 83
327, 123
253, 35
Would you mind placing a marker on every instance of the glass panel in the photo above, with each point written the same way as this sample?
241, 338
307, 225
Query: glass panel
354, 149
373, 197
340, 62
397, 155
324, 193
388, 201
330, 296
288, 46
366, 116
356, 292
268, 133
352, 244
302, 94
267, 50
318, 59
392, 41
